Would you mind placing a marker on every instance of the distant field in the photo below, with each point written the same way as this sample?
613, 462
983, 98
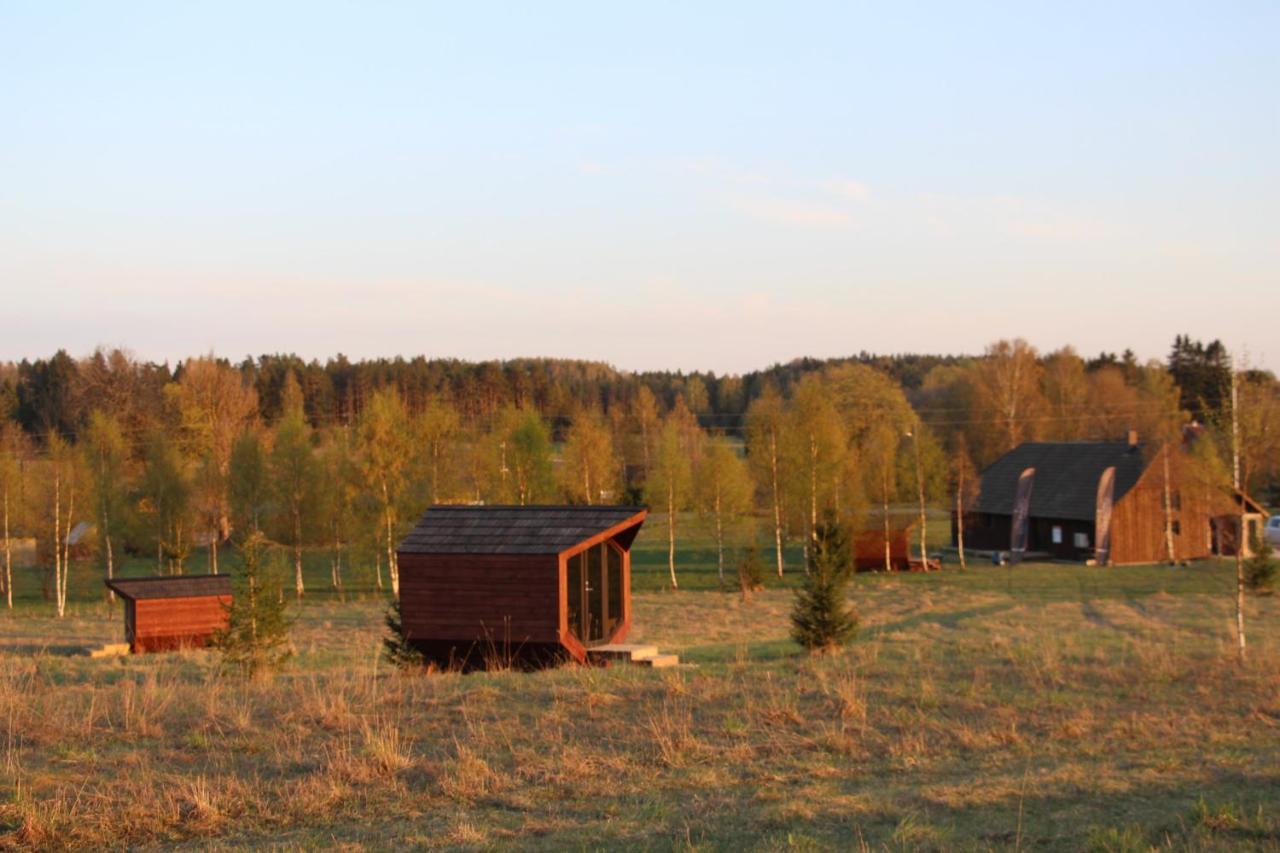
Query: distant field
1042, 706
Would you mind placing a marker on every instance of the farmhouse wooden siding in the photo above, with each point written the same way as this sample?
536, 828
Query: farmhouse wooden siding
166, 613
1138, 522
480, 581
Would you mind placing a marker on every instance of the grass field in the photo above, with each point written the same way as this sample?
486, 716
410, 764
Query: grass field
1042, 706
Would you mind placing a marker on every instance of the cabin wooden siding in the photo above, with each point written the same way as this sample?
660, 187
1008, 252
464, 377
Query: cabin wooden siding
165, 624
469, 598
1138, 520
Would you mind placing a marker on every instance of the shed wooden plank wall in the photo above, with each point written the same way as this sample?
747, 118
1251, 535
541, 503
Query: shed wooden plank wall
168, 623
467, 597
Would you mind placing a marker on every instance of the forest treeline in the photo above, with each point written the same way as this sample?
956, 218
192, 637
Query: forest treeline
343, 456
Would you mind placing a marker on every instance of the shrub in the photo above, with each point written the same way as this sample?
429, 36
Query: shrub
1260, 570
821, 618
750, 572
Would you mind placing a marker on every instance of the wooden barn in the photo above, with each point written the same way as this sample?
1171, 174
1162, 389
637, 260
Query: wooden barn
527, 585
172, 612
1102, 500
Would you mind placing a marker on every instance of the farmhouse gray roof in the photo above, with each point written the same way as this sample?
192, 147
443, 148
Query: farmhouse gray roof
512, 529
183, 586
1066, 479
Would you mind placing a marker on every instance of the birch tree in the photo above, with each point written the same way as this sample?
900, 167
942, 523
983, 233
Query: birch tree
724, 492
766, 419
437, 429
337, 495
383, 440
589, 469
62, 475
166, 492
105, 455
249, 484
965, 487
293, 474
816, 450
670, 486
14, 453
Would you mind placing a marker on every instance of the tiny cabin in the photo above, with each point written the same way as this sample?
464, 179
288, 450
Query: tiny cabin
173, 612
527, 586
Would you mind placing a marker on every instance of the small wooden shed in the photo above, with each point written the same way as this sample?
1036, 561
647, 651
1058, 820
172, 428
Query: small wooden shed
523, 585
172, 612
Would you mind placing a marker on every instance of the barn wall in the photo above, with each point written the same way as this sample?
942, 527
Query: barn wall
1137, 534
983, 532
490, 598
163, 624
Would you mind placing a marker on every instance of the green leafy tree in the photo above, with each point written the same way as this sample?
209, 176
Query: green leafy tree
821, 618
383, 438
724, 494
766, 421
337, 495
15, 452
249, 489
293, 477
256, 639
670, 486
166, 491
590, 470
105, 456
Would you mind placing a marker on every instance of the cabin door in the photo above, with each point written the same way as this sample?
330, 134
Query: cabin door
595, 593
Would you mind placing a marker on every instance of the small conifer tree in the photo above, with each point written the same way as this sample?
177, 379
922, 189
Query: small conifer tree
396, 648
1260, 570
821, 618
256, 639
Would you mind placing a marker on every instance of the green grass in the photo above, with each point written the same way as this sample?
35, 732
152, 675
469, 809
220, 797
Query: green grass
1049, 706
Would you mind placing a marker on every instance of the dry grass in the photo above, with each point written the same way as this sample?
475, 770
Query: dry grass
966, 716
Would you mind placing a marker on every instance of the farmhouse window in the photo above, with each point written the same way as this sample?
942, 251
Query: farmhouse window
1057, 534
1176, 527
1081, 540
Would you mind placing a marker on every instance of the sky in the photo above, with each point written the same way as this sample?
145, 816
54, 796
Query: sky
713, 186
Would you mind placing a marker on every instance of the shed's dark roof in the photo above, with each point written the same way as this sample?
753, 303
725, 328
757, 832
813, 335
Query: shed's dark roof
182, 586
512, 529
1066, 480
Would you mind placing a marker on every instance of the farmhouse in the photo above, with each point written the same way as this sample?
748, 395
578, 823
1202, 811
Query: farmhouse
173, 612
1103, 500
531, 585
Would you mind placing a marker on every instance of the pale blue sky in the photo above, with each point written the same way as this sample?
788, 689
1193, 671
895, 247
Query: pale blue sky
713, 186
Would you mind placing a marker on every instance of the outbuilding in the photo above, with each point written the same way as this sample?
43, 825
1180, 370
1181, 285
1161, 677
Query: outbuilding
173, 612
520, 585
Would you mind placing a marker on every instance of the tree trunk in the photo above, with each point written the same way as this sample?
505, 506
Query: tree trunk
777, 501
1168, 510
1236, 495
924, 549
960, 520
377, 567
57, 545
213, 552
297, 552
671, 535
8, 554
719, 540
884, 512
392, 568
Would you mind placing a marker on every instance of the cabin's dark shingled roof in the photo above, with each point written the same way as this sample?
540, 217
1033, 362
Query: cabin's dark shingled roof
510, 529
182, 586
1066, 481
